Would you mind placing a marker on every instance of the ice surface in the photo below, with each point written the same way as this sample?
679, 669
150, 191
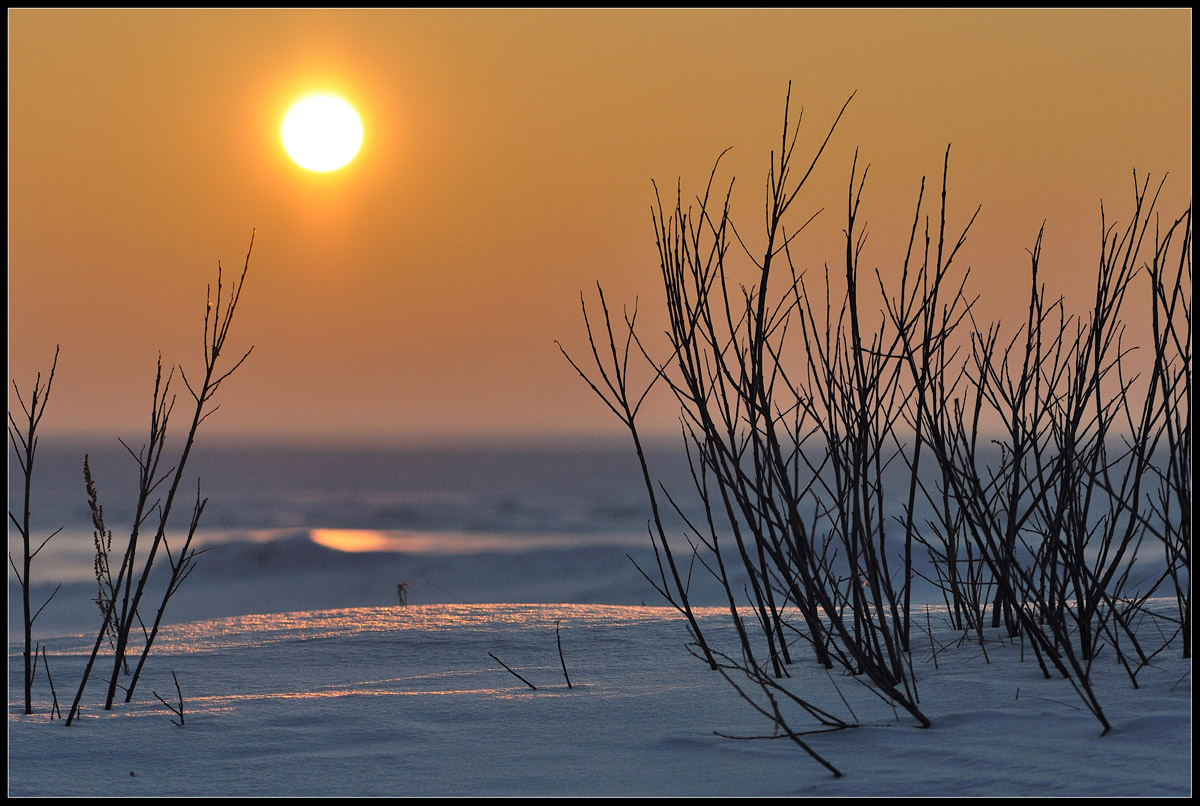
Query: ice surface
406, 701
302, 675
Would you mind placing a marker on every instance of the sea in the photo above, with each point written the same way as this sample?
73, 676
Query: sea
290, 526
298, 526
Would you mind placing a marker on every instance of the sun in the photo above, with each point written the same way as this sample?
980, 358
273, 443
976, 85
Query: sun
322, 133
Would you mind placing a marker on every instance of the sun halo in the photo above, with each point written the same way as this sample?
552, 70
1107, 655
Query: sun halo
322, 133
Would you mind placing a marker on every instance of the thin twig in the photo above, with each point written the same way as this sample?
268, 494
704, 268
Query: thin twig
514, 674
558, 636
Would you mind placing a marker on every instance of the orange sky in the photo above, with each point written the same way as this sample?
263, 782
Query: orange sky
507, 166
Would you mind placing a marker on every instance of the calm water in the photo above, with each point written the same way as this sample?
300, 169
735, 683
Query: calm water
517, 523
257, 491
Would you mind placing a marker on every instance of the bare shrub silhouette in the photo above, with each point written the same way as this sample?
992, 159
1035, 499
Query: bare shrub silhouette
120, 598
1031, 465
25, 443
1059, 517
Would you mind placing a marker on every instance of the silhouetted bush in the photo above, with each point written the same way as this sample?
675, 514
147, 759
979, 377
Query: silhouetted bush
122, 595
1045, 464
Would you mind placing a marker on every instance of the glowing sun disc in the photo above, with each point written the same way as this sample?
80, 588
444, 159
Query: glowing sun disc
322, 133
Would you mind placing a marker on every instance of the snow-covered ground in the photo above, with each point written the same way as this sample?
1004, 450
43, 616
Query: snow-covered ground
408, 701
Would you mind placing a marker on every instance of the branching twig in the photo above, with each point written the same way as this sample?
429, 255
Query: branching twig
25, 445
177, 710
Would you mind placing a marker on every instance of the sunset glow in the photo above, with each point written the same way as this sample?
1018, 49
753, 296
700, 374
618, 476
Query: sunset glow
505, 166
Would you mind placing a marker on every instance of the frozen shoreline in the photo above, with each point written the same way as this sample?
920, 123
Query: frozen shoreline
407, 701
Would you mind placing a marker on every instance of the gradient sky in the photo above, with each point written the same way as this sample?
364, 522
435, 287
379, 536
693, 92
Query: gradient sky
507, 166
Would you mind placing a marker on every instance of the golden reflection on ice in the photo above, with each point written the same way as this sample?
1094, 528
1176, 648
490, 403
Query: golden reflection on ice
232, 632
371, 654
352, 540
406, 542
213, 704
334, 694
